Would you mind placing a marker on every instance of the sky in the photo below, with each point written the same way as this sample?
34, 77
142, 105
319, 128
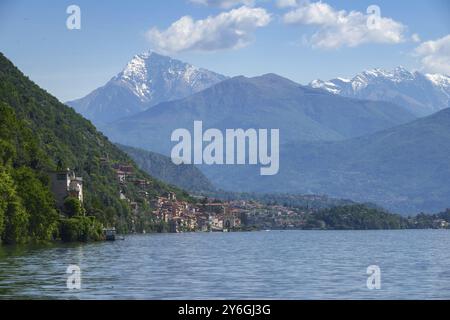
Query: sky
298, 39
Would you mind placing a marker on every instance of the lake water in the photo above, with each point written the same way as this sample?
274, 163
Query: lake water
252, 265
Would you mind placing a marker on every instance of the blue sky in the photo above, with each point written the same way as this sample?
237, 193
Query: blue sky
71, 63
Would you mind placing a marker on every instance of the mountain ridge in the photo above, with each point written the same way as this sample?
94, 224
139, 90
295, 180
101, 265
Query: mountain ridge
404, 168
147, 79
269, 101
420, 93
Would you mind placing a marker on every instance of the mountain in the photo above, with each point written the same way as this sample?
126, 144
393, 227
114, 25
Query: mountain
422, 94
161, 167
147, 80
404, 169
269, 101
38, 135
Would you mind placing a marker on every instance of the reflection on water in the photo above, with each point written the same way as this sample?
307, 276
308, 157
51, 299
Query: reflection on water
266, 265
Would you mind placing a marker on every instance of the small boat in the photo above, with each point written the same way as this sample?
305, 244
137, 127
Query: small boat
110, 234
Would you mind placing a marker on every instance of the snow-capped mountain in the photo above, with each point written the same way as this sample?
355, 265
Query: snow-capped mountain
148, 79
423, 94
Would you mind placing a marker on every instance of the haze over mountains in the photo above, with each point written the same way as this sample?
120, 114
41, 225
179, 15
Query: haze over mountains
148, 79
405, 168
422, 94
269, 101
350, 138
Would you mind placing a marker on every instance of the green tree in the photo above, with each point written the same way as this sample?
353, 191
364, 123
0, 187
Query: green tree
73, 207
39, 203
16, 230
13, 217
7, 152
81, 229
6, 190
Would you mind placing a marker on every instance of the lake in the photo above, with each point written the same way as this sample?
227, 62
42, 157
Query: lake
414, 264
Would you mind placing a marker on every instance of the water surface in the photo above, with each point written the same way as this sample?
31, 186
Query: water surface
249, 265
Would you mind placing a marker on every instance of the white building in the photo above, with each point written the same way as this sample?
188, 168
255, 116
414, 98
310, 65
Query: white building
65, 183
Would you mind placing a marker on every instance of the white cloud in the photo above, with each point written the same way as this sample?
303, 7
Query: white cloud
225, 4
435, 55
415, 37
286, 3
228, 30
339, 28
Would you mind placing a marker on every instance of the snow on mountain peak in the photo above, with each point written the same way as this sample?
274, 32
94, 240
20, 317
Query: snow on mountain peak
424, 94
329, 86
399, 74
439, 80
150, 69
148, 78
363, 79
344, 79
135, 76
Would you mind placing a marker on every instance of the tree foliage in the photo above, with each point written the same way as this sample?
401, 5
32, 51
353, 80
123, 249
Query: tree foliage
356, 217
81, 229
39, 134
13, 217
73, 207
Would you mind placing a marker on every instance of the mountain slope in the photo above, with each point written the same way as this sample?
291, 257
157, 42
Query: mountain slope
161, 167
148, 79
405, 168
269, 101
39, 134
423, 94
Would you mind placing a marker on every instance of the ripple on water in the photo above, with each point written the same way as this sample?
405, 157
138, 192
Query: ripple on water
264, 265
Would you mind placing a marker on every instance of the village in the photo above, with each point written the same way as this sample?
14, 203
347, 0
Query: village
217, 216
204, 215
200, 215
178, 215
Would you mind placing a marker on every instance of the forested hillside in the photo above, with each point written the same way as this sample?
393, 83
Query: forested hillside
39, 134
161, 167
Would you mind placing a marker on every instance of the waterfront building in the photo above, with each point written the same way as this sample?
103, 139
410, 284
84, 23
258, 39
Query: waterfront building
65, 183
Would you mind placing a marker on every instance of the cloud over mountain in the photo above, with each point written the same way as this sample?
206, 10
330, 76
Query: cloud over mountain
435, 55
339, 28
227, 30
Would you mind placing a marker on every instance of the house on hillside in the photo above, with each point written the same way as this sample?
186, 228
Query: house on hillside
65, 183
123, 172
